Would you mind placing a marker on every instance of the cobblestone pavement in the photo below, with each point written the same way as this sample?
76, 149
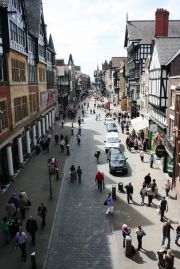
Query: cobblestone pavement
83, 237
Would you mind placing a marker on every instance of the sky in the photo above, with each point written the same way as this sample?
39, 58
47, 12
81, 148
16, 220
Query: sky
93, 30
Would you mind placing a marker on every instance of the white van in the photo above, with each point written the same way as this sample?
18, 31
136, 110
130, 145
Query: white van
112, 141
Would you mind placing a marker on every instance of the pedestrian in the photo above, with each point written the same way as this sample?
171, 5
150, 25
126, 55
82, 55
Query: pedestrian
79, 130
167, 187
42, 211
109, 201
5, 228
122, 127
79, 173
66, 139
143, 193
154, 186
97, 155
24, 195
141, 153
163, 206
99, 178
62, 123
56, 139
166, 233
169, 259
129, 191
13, 198
62, 144
152, 160
11, 210
150, 194
21, 238
79, 121
140, 233
31, 228
14, 225
177, 234
126, 231
21, 205
147, 179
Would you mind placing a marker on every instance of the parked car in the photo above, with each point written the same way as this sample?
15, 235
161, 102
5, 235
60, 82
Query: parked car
111, 127
117, 161
112, 141
108, 120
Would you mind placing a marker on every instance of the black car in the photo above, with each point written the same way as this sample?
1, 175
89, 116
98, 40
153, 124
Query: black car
111, 127
117, 161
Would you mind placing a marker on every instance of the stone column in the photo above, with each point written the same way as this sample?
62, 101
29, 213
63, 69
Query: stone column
50, 119
39, 129
10, 161
28, 142
34, 136
20, 151
47, 122
43, 126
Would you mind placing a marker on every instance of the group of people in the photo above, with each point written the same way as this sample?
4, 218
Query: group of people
12, 224
75, 173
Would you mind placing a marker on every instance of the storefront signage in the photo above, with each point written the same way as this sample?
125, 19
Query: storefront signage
153, 127
160, 151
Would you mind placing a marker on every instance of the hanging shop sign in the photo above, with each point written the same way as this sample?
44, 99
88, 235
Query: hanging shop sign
153, 127
160, 151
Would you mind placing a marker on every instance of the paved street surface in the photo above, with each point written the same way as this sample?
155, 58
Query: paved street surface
81, 236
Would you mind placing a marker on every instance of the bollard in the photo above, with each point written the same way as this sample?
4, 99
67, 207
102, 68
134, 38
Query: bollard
57, 173
120, 187
33, 260
114, 192
128, 246
72, 131
67, 147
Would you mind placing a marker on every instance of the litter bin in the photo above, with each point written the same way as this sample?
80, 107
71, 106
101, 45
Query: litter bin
114, 192
120, 187
128, 246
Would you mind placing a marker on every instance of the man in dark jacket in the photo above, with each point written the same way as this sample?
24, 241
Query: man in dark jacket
147, 179
163, 206
31, 228
166, 233
129, 191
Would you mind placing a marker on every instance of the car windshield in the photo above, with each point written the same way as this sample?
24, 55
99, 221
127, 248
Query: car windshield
112, 140
118, 157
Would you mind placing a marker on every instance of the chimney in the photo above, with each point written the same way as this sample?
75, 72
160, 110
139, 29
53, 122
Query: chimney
161, 22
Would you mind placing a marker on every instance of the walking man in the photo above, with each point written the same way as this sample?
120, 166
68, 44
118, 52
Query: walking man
42, 211
177, 234
21, 238
79, 173
129, 191
163, 206
166, 233
147, 179
31, 228
100, 180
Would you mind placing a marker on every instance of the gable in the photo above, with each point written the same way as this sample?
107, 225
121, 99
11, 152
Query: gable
154, 63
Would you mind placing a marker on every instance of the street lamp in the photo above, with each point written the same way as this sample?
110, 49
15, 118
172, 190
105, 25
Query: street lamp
50, 186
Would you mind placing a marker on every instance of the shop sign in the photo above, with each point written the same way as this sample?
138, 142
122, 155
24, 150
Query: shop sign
153, 127
160, 151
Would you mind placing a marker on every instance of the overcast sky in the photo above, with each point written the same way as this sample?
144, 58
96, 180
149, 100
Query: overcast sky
93, 30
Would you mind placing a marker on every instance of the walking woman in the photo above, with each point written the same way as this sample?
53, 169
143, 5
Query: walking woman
140, 233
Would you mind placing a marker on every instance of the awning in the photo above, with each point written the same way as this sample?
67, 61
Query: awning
139, 123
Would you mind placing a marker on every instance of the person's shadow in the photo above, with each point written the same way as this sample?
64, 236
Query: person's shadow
150, 254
